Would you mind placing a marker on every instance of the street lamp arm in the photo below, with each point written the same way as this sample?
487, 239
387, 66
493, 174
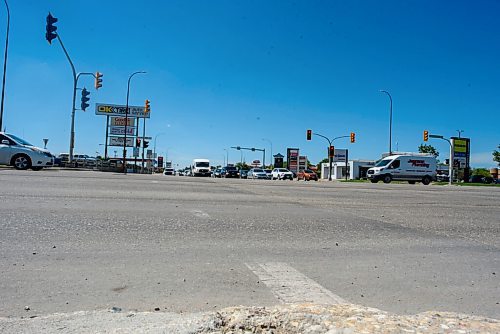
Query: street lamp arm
340, 137
329, 141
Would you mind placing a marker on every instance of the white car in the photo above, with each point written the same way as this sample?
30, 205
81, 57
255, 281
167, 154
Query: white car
17, 152
281, 174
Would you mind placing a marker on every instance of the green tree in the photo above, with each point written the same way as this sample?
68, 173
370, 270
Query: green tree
428, 149
481, 171
496, 156
318, 170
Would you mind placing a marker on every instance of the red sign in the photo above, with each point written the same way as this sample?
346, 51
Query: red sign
160, 161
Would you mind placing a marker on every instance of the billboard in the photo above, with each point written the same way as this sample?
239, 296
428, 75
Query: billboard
120, 130
119, 110
120, 121
340, 155
292, 155
118, 141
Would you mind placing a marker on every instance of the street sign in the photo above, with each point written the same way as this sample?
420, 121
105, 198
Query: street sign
118, 141
119, 110
120, 121
340, 155
120, 130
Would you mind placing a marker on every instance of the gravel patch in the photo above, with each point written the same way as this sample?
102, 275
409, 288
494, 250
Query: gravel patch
281, 319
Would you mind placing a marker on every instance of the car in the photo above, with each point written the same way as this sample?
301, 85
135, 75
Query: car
243, 173
442, 178
180, 172
269, 173
17, 152
481, 179
217, 173
257, 173
307, 175
169, 171
281, 174
230, 171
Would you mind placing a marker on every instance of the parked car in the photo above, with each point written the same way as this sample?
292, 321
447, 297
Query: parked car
243, 173
257, 173
481, 179
281, 174
17, 152
442, 178
217, 173
180, 172
269, 173
230, 171
307, 175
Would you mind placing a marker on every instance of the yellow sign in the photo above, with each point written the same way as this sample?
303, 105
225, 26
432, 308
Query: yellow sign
460, 146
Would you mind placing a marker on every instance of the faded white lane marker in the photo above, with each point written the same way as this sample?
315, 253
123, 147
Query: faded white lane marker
291, 286
200, 214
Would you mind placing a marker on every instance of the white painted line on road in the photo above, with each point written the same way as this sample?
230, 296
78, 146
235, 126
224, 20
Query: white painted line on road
200, 214
291, 286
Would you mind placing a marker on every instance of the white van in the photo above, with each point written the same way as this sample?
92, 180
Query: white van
200, 167
411, 168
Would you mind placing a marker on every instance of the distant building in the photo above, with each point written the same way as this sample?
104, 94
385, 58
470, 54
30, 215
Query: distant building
358, 168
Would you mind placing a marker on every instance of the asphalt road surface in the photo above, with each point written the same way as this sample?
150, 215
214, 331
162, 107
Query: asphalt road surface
74, 240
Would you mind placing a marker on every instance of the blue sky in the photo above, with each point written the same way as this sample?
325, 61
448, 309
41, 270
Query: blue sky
230, 73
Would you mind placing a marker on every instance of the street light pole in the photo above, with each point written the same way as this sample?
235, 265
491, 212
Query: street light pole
459, 133
5, 64
227, 157
270, 143
390, 121
126, 121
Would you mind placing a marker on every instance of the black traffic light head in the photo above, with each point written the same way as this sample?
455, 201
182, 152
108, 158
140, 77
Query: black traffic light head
98, 80
331, 151
50, 33
147, 107
426, 135
353, 137
85, 99
138, 142
309, 134
145, 144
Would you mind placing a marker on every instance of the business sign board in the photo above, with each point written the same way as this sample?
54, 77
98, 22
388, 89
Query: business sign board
119, 110
120, 121
302, 162
292, 159
461, 157
160, 161
340, 155
118, 141
120, 130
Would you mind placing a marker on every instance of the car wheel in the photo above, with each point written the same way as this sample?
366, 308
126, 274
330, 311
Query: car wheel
36, 168
387, 178
21, 162
373, 180
426, 180
411, 182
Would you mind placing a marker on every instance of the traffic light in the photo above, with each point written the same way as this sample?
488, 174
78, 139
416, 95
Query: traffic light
50, 28
85, 99
426, 135
353, 137
331, 151
137, 142
145, 144
98, 80
147, 108
309, 134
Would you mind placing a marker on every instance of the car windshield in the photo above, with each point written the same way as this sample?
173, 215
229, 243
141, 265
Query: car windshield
231, 168
308, 171
258, 170
19, 140
383, 162
202, 164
